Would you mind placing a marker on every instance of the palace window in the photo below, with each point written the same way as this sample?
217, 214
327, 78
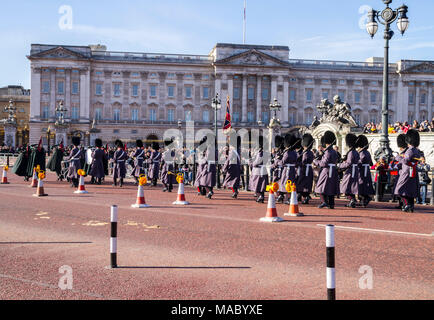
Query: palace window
60, 87
265, 117
205, 116
135, 90
308, 117
341, 94
153, 115
117, 89
251, 93
325, 81
135, 74
236, 93
171, 115
411, 98
74, 89
423, 98
46, 87
171, 91
188, 92
265, 94
357, 97
153, 91
236, 117
205, 93
98, 89
325, 94
98, 113
74, 113
135, 114
45, 112
250, 117
292, 95
188, 116
116, 114
309, 95
373, 96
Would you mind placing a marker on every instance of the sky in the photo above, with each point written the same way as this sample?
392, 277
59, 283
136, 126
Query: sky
315, 29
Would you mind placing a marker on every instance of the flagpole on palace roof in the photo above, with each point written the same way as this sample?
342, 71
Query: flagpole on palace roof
244, 21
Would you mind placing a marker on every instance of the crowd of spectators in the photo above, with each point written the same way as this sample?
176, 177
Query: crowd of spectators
400, 127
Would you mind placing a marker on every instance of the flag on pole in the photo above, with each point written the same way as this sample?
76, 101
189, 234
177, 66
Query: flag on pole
40, 144
227, 125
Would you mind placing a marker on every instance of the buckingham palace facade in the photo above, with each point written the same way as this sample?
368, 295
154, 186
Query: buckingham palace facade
133, 96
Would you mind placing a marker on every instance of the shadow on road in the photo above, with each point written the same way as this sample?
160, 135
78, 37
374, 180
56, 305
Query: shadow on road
187, 268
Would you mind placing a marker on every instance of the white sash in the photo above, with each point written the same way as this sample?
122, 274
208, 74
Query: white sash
366, 169
308, 166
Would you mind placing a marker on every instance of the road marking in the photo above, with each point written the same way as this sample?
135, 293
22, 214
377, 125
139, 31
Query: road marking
47, 285
380, 230
93, 223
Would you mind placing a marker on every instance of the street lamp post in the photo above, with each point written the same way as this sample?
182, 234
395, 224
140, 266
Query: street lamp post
217, 105
386, 17
274, 126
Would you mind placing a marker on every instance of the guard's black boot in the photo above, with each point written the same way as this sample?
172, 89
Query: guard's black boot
323, 205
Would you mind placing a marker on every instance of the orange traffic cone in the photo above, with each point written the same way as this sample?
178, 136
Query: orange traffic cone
271, 215
5, 175
81, 189
40, 189
181, 195
141, 203
293, 206
34, 182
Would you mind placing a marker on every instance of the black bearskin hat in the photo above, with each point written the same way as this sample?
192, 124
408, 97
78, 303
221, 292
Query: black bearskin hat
322, 142
412, 138
351, 140
329, 138
139, 143
278, 142
155, 145
76, 141
362, 142
400, 141
307, 141
98, 143
290, 141
119, 144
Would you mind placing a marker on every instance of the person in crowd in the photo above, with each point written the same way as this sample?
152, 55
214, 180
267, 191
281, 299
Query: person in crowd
423, 170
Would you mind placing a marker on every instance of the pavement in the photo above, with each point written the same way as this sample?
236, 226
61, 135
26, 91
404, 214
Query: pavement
210, 250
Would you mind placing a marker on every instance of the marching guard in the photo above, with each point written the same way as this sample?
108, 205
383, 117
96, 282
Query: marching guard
366, 188
327, 185
259, 179
167, 175
119, 160
76, 156
139, 157
305, 175
232, 171
407, 186
288, 163
154, 164
97, 171
350, 165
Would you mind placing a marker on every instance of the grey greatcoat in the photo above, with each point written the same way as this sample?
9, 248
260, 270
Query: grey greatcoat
232, 169
139, 157
328, 179
288, 163
209, 178
259, 176
408, 181
365, 179
154, 166
119, 168
350, 180
201, 165
97, 166
168, 165
75, 157
305, 172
